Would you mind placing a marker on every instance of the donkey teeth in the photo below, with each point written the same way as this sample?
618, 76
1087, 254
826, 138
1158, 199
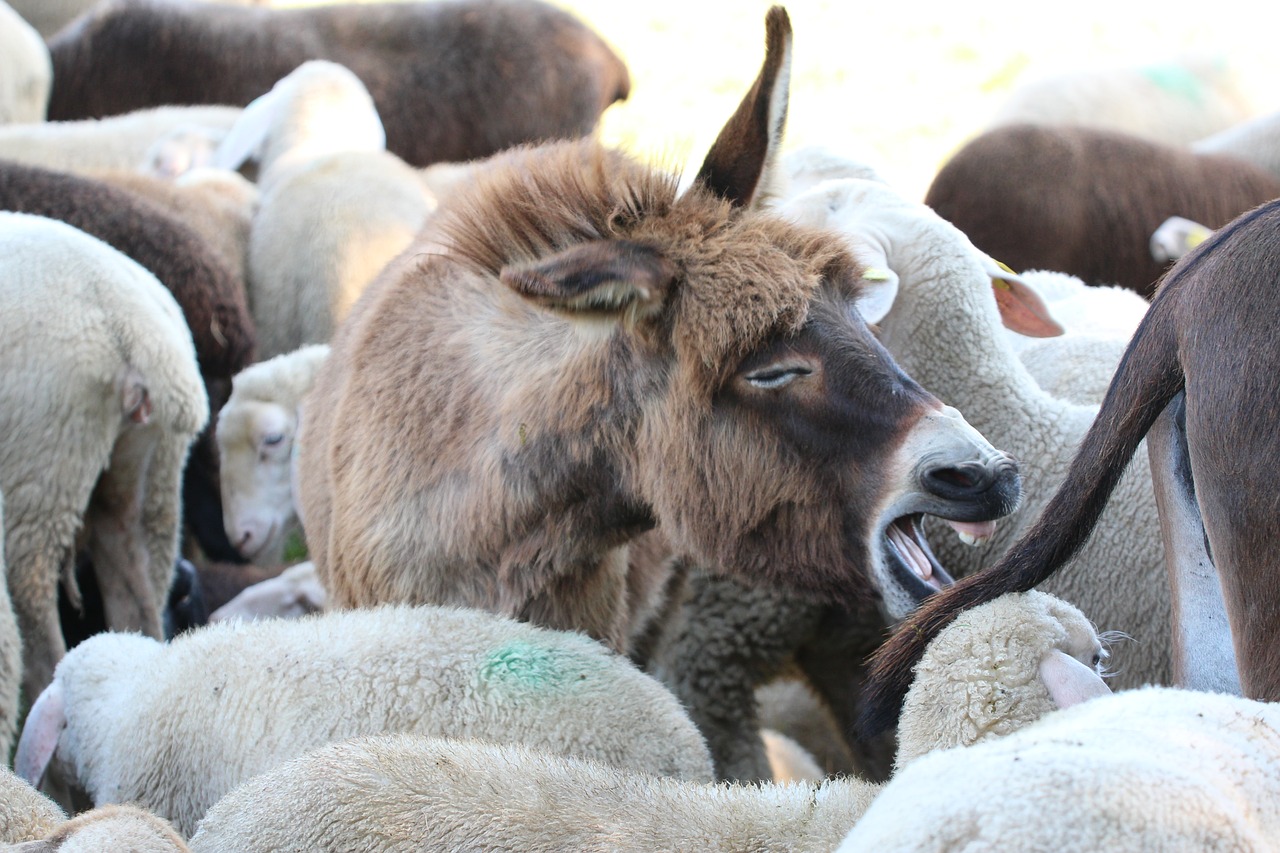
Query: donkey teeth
970, 539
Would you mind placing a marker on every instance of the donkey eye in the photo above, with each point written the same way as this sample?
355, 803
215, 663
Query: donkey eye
776, 377
273, 439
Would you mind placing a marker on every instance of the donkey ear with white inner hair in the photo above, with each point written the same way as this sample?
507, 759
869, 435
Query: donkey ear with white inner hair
740, 164
603, 278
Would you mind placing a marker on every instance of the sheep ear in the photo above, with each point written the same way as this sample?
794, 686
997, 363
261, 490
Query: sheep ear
1021, 308
739, 165
247, 137
879, 284
603, 278
1068, 680
40, 733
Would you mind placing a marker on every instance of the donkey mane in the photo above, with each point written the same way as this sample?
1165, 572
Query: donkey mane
732, 292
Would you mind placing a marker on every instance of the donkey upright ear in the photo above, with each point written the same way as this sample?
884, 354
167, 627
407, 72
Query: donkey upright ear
739, 165
605, 278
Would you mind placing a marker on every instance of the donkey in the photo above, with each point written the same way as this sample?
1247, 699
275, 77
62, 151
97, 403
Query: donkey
575, 354
1201, 380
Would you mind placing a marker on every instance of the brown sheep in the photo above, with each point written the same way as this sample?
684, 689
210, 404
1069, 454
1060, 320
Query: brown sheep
1201, 381
452, 81
1086, 201
574, 353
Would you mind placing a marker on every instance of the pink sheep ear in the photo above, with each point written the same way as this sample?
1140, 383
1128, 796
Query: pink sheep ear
1068, 680
603, 277
1022, 310
39, 740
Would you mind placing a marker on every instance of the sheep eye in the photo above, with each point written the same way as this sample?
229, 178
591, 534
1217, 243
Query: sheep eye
776, 377
273, 439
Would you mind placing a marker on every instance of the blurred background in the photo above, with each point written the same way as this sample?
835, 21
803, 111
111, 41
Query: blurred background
900, 83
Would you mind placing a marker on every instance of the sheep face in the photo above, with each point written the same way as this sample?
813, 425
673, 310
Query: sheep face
255, 446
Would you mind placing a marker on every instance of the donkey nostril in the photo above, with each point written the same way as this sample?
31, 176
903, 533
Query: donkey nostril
954, 477
958, 479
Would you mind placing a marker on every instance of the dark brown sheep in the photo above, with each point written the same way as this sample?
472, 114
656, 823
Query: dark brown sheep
1086, 201
452, 81
211, 297
1201, 381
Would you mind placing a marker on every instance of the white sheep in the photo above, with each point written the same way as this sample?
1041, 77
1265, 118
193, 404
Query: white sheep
26, 72
256, 433
1176, 102
25, 813
1006, 665
100, 399
116, 142
294, 592
1256, 140
1176, 236
1152, 769
172, 727
121, 829
10, 660
1097, 323
938, 316
335, 205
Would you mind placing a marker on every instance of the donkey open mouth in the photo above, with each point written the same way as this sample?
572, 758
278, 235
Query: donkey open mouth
968, 496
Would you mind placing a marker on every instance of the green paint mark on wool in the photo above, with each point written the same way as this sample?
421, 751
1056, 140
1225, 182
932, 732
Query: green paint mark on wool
1176, 80
524, 665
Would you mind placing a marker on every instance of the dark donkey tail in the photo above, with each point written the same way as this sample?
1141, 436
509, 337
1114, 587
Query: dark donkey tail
1147, 378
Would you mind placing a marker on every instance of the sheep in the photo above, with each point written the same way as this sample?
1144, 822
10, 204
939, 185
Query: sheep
453, 81
335, 206
212, 301
217, 204
117, 828
122, 142
1198, 382
10, 658
591, 356
26, 72
257, 436
412, 793
1086, 201
944, 283
1097, 322
100, 400
1173, 103
1150, 769
931, 296
294, 592
121, 706
25, 813
1175, 237
1254, 140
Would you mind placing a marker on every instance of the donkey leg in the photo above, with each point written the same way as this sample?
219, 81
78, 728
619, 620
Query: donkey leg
1203, 655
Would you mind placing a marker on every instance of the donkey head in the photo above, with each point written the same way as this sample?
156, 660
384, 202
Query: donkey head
747, 405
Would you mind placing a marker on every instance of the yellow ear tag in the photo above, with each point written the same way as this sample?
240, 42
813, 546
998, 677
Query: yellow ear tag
999, 283
876, 274
1197, 236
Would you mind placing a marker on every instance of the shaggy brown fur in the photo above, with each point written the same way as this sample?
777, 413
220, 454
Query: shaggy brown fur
575, 355
1207, 341
1086, 201
451, 81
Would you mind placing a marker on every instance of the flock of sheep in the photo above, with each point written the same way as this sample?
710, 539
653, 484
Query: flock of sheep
388, 466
